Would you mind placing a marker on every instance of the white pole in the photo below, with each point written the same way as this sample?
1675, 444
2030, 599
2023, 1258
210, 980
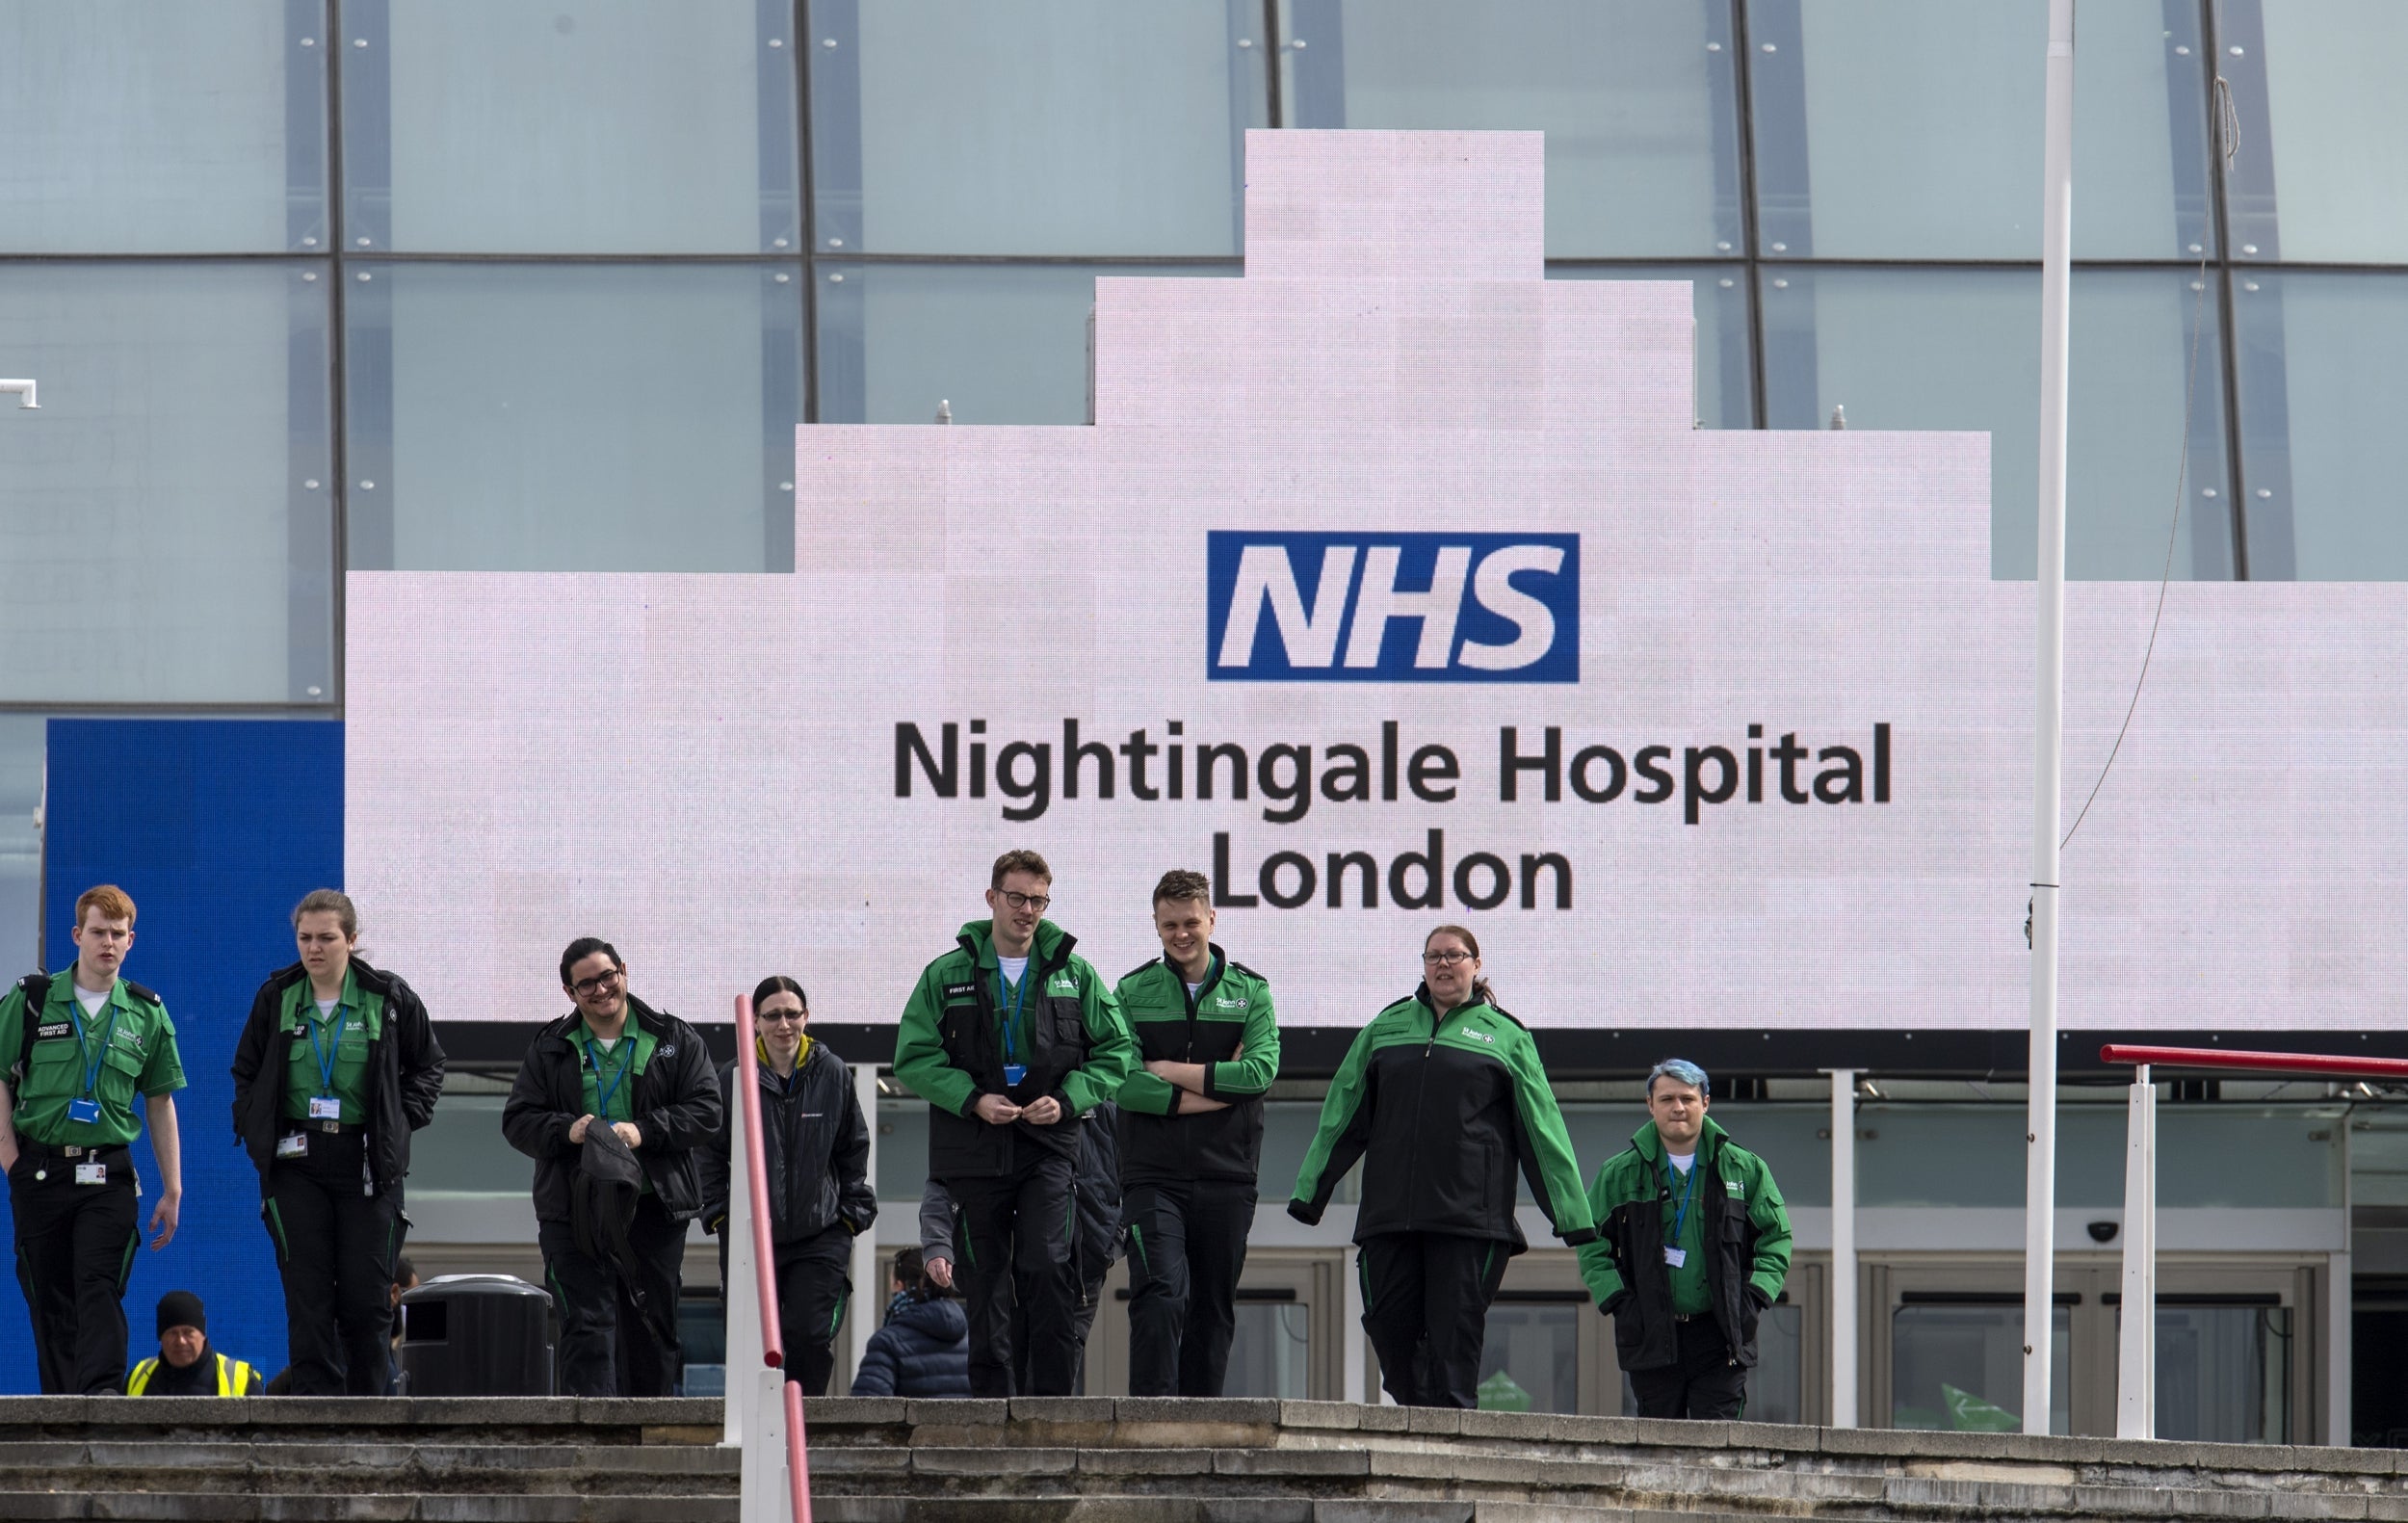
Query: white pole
738, 1297
867, 1293
24, 390
2136, 1342
1352, 1385
1842, 1247
2338, 1328
2056, 245
764, 1495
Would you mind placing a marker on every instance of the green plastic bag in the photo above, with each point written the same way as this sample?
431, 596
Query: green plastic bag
1503, 1393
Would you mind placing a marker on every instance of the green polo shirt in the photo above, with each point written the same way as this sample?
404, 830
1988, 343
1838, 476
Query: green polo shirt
138, 1058
616, 1068
598, 1068
1691, 1295
314, 1037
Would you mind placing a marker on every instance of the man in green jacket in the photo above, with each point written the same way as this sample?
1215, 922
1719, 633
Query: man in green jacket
1191, 1141
1693, 1244
1010, 1039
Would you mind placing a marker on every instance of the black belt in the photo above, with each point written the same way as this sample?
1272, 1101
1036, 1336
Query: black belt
112, 1152
328, 1128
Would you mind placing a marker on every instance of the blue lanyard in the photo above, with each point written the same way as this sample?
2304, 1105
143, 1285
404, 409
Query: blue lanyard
1689, 1183
326, 1059
93, 1060
1018, 994
602, 1092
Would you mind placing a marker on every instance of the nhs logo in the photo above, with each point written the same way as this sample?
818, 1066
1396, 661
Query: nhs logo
1392, 607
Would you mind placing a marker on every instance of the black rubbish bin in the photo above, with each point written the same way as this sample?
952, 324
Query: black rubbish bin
476, 1335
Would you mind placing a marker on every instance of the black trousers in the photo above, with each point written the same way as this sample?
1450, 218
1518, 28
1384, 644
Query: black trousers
1082, 1321
609, 1346
1703, 1382
1013, 1235
1187, 1248
335, 1245
74, 1251
1426, 1299
814, 1281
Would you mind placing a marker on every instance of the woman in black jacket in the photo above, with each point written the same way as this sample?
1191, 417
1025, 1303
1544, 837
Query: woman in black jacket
816, 1144
336, 1067
923, 1350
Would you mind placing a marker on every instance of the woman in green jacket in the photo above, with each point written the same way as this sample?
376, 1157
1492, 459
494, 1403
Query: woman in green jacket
1445, 1093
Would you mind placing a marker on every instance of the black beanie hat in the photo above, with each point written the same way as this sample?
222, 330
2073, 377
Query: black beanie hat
181, 1308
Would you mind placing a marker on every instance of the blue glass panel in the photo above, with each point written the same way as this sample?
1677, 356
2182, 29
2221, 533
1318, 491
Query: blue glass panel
1960, 348
1639, 102
572, 417
1897, 129
1047, 127
167, 515
2321, 395
131, 127
577, 126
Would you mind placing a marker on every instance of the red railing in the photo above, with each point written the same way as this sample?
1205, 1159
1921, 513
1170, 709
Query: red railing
2260, 1062
764, 1254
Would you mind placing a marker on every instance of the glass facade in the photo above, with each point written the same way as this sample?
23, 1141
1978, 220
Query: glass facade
452, 286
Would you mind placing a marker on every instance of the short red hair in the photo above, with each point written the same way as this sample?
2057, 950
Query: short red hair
113, 902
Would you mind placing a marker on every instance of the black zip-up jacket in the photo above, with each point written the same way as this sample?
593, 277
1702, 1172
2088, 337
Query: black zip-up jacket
814, 1140
405, 1073
676, 1106
1441, 1107
1160, 1143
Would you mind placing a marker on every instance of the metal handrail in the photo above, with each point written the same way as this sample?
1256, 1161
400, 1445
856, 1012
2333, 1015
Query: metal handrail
765, 1256
2262, 1061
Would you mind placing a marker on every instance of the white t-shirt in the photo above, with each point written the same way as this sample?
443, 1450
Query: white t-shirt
1192, 987
1683, 1161
609, 1043
325, 1008
91, 1001
1013, 968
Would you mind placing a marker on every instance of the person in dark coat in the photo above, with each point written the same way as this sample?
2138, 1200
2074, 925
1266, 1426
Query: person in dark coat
923, 1350
336, 1065
615, 1061
816, 1147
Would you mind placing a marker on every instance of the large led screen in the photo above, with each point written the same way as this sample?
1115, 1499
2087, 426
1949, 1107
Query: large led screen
1393, 585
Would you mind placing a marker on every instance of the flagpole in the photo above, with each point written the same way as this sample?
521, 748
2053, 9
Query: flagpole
2047, 730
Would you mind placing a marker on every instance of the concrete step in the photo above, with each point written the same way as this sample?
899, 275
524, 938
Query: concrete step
285, 1506
380, 1465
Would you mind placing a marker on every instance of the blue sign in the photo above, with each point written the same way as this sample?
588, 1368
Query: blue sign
1297, 607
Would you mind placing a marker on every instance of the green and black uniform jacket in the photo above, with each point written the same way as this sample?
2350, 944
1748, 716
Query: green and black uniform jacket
949, 1050
403, 1080
675, 1105
44, 1064
1446, 1106
1746, 1231
1231, 1010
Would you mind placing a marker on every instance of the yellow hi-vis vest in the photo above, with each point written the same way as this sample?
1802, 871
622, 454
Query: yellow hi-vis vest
234, 1377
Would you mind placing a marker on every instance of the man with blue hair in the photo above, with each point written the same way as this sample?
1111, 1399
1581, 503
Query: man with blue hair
1692, 1244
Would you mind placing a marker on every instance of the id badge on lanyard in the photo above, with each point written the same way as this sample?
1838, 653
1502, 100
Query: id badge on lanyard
325, 1105
1013, 1072
85, 1107
1678, 1256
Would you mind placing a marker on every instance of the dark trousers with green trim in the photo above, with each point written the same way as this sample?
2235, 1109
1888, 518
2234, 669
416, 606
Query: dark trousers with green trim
1187, 1248
1426, 1299
610, 1344
336, 1245
814, 1281
74, 1250
1013, 1235
1703, 1381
